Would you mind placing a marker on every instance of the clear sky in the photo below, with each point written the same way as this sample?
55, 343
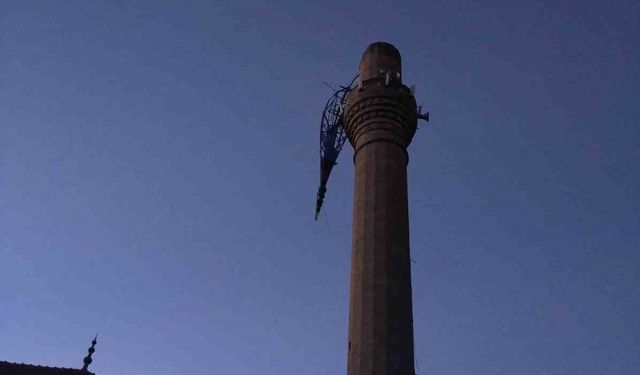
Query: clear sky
159, 165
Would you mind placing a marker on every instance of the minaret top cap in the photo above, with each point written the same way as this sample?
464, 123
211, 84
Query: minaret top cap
378, 59
87, 360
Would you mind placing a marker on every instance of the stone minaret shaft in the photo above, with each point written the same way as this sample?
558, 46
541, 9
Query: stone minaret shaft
380, 121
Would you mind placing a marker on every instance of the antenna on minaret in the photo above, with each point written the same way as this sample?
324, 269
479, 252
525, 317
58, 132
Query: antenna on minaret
87, 360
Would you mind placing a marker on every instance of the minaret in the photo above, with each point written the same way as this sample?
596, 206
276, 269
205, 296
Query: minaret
380, 121
87, 360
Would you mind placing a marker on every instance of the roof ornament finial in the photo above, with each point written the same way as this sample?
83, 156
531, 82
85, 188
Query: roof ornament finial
87, 360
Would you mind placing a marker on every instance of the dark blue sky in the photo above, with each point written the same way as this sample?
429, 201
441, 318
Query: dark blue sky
159, 164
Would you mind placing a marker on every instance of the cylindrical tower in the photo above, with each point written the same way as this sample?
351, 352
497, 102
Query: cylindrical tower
380, 121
